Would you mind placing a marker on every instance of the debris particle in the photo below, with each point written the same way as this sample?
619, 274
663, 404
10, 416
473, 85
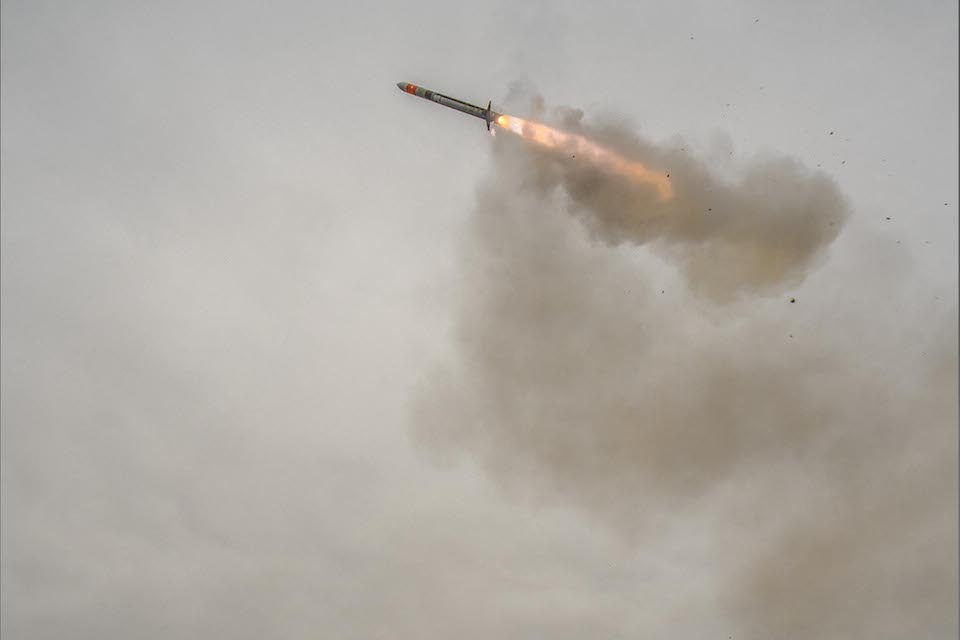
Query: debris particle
668, 175
844, 162
888, 217
831, 133
792, 300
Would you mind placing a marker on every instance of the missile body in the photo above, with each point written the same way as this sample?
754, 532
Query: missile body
487, 115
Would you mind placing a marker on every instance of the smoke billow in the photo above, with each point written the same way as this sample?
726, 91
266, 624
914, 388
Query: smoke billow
750, 236
819, 444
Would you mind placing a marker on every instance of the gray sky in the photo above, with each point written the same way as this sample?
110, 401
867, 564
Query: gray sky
237, 266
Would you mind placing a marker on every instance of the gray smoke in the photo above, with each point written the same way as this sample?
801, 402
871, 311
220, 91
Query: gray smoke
753, 235
643, 362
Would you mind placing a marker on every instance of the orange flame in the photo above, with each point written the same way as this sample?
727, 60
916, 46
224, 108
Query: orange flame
555, 139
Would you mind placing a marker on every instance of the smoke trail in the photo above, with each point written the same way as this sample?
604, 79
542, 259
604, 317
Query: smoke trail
826, 470
751, 236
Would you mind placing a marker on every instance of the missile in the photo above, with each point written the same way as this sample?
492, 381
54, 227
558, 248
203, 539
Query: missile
487, 115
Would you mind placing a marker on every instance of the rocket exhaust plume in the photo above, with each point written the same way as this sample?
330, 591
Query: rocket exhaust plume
580, 147
622, 347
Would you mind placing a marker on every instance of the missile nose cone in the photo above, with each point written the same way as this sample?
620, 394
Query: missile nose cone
402, 86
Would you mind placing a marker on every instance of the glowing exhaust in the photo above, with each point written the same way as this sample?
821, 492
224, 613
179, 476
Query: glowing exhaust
580, 146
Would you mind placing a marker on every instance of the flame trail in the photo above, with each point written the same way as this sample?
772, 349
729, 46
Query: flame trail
556, 139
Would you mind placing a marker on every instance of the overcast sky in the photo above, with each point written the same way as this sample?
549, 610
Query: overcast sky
236, 262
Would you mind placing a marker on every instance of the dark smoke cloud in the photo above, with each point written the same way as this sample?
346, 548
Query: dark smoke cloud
824, 460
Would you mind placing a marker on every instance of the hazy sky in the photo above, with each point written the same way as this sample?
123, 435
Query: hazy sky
238, 273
